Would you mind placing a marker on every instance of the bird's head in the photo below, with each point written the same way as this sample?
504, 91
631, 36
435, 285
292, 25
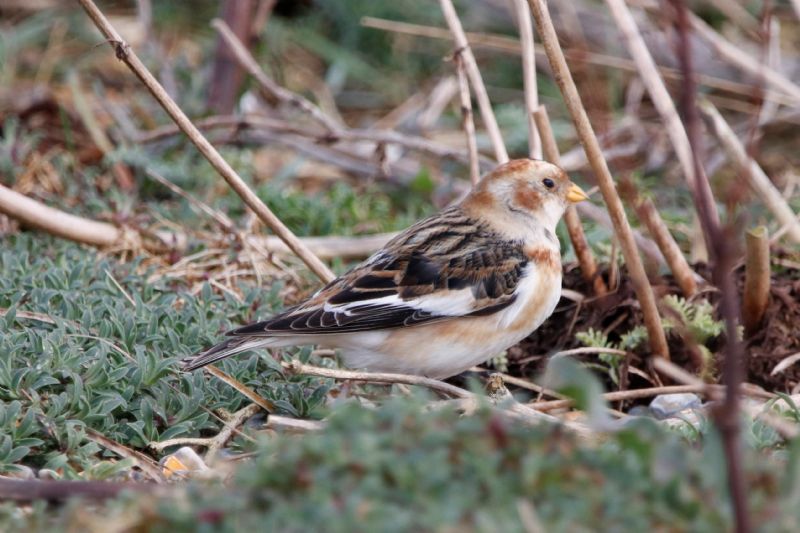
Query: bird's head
525, 190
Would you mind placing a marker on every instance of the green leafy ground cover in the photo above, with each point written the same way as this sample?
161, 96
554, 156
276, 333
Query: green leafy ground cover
90, 341
108, 364
401, 468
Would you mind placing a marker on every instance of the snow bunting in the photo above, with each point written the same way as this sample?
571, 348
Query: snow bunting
444, 295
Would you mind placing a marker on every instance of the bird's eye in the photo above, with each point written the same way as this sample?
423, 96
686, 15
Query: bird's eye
548, 183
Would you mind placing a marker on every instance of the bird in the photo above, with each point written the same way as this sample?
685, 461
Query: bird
448, 293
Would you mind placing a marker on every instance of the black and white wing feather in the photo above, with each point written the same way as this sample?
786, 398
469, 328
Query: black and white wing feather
441, 268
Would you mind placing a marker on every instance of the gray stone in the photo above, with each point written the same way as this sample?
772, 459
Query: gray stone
666, 405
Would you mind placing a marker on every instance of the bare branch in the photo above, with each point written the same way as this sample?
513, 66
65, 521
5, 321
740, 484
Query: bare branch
571, 218
529, 76
736, 56
726, 416
474, 74
146, 463
646, 211
467, 121
275, 91
657, 90
753, 173
508, 45
622, 229
126, 55
296, 367
214, 444
713, 391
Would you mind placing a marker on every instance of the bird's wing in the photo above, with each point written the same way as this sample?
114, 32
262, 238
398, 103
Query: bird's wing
444, 267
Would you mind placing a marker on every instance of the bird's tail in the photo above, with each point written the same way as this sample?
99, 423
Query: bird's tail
225, 349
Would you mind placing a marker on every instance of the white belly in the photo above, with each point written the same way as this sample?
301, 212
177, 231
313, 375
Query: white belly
446, 348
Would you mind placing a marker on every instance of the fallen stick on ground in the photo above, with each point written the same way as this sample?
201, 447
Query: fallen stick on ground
515, 408
35, 214
322, 137
56, 222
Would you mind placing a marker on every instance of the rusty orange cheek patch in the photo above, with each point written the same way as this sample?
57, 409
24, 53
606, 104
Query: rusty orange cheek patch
527, 198
543, 257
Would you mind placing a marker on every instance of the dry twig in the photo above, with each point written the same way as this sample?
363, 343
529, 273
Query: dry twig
622, 229
259, 122
753, 173
529, 76
636, 394
126, 55
296, 367
147, 464
467, 121
508, 45
658, 92
571, 218
86, 231
215, 443
243, 389
646, 211
736, 56
726, 416
474, 74
273, 90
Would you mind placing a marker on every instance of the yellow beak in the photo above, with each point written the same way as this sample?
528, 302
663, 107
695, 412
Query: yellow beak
575, 194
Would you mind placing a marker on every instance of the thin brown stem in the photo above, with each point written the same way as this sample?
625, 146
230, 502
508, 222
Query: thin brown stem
726, 416
144, 462
125, 54
467, 121
756, 278
272, 89
509, 45
59, 490
646, 211
658, 92
214, 444
736, 56
751, 170
583, 251
636, 394
259, 122
622, 229
475, 78
296, 367
523, 13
